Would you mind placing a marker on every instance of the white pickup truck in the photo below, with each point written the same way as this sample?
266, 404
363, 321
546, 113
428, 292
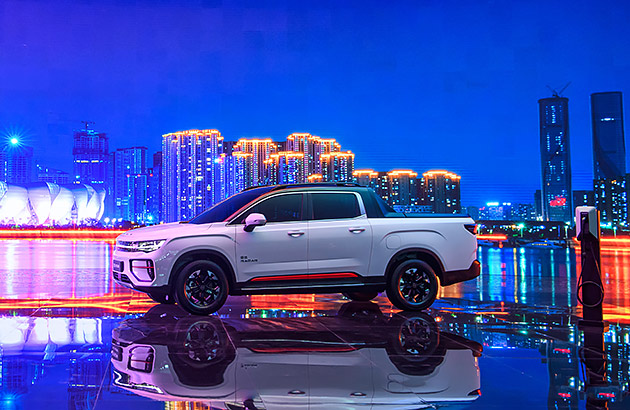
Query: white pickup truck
304, 238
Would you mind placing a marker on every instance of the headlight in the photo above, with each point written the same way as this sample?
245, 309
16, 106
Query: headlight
140, 246
149, 246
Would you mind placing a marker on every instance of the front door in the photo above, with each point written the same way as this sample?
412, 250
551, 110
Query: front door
277, 248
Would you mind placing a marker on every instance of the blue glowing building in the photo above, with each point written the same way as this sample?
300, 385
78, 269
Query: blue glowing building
555, 156
609, 146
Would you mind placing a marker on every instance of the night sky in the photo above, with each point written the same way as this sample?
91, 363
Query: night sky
421, 84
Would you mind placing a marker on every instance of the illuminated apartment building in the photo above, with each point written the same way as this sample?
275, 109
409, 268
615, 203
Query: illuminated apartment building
238, 172
261, 150
131, 182
611, 199
402, 187
337, 166
313, 147
91, 157
192, 173
285, 168
442, 191
378, 181
315, 178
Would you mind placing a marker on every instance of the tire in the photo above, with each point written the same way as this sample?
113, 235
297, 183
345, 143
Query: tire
163, 298
201, 287
360, 296
413, 285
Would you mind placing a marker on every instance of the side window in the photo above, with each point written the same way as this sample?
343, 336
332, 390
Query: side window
335, 206
282, 208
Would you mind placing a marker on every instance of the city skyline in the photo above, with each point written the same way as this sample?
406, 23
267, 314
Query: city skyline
422, 75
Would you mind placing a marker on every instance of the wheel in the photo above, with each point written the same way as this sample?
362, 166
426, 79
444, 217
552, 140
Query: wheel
201, 287
163, 298
413, 285
367, 312
360, 296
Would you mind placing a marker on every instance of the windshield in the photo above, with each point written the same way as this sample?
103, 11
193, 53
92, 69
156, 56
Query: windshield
221, 211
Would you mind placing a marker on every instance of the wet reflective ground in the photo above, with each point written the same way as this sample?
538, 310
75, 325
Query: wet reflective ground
71, 339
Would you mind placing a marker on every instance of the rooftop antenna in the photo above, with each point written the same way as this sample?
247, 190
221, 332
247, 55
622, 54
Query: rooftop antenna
556, 93
87, 124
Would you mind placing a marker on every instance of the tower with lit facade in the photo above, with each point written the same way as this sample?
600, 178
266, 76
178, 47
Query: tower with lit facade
402, 187
442, 191
337, 166
191, 173
285, 167
16, 163
261, 150
609, 145
131, 184
91, 157
238, 169
313, 147
555, 156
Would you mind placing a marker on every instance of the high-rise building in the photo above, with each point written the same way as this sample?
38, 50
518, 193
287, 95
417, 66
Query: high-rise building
609, 145
154, 199
555, 158
611, 199
16, 163
402, 187
337, 166
261, 150
285, 167
442, 191
91, 157
131, 181
313, 147
238, 172
191, 173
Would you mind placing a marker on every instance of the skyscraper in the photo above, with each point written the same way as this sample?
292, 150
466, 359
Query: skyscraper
442, 191
313, 147
402, 187
611, 199
91, 157
555, 156
154, 197
285, 167
337, 166
191, 173
16, 163
260, 149
609, 146
131, 182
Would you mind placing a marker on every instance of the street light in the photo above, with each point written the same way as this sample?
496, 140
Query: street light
14, 141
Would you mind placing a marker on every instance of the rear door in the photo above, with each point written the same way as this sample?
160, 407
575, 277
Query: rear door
339, 233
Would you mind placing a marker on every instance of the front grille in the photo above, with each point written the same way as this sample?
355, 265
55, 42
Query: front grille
124, 278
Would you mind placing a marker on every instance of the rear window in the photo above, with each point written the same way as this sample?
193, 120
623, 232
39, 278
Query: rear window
335, 206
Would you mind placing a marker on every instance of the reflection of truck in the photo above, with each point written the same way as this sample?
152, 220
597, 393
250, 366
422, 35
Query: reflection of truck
310, 238
357, 359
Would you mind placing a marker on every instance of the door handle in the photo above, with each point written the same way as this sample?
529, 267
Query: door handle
356, 230
295, 234
296, 392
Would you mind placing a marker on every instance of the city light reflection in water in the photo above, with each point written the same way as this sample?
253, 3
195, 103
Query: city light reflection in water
59, 308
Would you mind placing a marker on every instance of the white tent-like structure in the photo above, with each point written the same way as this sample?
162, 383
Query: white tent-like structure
50, 204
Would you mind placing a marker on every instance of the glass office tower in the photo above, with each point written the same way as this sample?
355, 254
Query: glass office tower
609, 146
555, 156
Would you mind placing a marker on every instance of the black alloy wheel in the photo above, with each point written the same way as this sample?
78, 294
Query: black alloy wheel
360, 296
163, 298
201, 287
413, 285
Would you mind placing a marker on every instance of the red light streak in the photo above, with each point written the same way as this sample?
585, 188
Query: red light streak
492, 237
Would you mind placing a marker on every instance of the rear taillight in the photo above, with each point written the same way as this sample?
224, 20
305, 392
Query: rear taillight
472, 228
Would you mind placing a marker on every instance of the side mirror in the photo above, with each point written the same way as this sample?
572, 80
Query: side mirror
254, 220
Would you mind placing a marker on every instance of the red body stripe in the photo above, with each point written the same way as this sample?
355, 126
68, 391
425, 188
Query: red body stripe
335, 275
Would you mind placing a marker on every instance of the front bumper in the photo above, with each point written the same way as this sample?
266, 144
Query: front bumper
135, 269
456, 276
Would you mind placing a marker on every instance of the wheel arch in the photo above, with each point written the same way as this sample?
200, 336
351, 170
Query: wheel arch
416, 253
203, 254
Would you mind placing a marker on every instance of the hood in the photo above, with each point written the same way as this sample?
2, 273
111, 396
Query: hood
162, 231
